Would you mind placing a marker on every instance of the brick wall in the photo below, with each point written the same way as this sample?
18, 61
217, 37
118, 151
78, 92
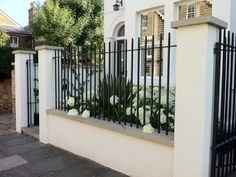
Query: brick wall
13, 96
155, 27
5, 95
202, 9
24, 41
205, 9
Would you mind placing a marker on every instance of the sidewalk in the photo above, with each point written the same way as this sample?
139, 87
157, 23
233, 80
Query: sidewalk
22, 156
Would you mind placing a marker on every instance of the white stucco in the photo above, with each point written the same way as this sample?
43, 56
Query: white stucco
194, 100
132, 156
46, 87
20, 86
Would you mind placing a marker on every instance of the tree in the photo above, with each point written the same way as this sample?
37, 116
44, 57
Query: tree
85, 25
54, 25
88, 15
3, 38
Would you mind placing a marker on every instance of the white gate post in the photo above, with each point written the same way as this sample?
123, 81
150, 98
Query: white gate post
194, 94
46, 56
21, 57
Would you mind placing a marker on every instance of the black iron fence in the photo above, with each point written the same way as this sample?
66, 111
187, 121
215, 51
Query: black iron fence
124, 82
32, 91
224, 129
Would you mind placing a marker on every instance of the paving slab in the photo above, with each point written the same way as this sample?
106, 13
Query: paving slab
22, 148
30, 158
21, 171
11, 162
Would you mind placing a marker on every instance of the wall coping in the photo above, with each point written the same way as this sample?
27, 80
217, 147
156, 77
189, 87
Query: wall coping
130, 131
48, 47
198, 21
24, 52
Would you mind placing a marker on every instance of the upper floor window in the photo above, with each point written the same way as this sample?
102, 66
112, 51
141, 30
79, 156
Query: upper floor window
14, 41
121, 31
191, 11
144, 22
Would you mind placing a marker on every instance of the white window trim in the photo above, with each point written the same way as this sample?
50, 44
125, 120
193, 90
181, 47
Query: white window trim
13, 44
187, 13
142, 22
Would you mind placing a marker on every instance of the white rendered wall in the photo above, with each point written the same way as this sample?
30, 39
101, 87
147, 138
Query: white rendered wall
225, 10
129, 155
194, 100
21, 87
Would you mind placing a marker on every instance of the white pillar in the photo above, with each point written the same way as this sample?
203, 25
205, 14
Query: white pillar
46, 56
194, 95
21, 87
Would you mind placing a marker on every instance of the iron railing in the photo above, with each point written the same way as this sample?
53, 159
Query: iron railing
32, 91
224, 128
119, 82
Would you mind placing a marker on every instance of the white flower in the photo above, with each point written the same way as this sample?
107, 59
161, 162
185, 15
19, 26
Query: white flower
86, 114
112, 99
148, 107
148, 128
141, 94
73, 112
163, 119
172, 126
135, 89
141, 114
155, 89
128, 111
71, 101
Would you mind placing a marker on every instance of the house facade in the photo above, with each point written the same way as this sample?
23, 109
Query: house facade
18, 35
145, 19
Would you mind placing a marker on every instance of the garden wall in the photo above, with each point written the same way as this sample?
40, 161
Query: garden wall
113, 146
5, 95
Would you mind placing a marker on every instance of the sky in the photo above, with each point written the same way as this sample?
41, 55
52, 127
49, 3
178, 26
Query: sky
17, 9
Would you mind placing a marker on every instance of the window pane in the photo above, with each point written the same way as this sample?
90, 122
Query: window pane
191, 11
15, 40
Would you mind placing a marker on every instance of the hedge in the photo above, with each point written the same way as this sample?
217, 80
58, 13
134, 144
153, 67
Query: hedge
6, 58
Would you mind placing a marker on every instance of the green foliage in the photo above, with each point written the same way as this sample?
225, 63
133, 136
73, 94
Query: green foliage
110, 87
6, 57
70, 22
3, 38
54, 25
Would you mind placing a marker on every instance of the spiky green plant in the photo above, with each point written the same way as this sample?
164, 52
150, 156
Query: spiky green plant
114, 86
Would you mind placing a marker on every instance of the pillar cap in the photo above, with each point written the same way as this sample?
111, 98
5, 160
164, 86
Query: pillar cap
198, 21
48, 47
24, 52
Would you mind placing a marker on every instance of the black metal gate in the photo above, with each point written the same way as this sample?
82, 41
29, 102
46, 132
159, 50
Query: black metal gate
32, 91
224, 128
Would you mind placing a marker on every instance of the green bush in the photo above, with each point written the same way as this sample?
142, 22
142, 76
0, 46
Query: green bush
6, 58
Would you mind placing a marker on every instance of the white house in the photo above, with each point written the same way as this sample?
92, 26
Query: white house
134, 147
144, 18
131, 11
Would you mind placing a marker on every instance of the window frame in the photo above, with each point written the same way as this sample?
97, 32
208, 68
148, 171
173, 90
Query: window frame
189, 14
12, 41
144, 27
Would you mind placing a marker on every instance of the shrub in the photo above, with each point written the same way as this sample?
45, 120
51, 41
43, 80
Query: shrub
6, 58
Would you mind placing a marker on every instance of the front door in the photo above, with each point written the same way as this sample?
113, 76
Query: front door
120, 57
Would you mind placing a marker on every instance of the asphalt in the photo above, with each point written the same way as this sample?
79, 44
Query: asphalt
24, 156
